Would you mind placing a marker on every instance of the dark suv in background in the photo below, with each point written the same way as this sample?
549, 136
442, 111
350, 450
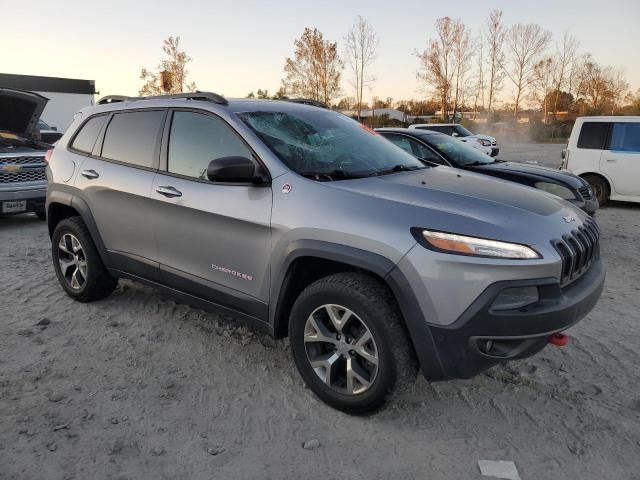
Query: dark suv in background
23, 184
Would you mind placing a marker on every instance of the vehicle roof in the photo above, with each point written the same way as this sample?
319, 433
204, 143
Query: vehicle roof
434, 124
610, 118
410, 131
232, 104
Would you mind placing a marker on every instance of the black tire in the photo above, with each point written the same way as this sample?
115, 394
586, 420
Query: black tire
41, 214
373, 305
98, 283
600, 187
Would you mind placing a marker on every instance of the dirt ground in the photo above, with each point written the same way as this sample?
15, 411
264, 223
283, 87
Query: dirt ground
138, 387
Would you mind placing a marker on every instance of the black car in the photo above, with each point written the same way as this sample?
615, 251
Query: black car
442, 149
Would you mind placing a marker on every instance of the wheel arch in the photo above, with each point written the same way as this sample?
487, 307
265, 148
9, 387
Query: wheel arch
309, 260
61, 205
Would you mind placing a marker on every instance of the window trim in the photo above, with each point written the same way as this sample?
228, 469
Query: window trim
79, 129
97, 151
164, 150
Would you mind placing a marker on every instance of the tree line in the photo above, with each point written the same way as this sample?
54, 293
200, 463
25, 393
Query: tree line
463, 71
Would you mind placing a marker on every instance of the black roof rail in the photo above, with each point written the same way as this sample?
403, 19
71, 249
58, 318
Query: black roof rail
208, 96
307, 101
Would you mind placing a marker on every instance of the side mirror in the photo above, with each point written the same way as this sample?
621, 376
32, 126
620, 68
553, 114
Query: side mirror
234, 169
55, 129
454, 134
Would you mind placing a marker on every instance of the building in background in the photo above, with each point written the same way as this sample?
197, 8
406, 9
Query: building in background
66, 95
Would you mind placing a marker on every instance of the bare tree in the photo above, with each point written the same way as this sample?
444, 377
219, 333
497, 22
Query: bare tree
544, 80
479, 88
437, 62
565, 60
495, 56
361, 43
316, 68
175, 64
462, 56
619, 87
525, 45
594, 87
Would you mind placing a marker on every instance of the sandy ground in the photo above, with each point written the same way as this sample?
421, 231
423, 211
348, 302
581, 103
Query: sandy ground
136, 386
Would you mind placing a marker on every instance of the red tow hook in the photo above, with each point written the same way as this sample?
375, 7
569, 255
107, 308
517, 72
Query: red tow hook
559, 340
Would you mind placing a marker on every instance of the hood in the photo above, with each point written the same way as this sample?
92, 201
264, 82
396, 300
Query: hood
450, 199
535, 173
20, 111
483, 137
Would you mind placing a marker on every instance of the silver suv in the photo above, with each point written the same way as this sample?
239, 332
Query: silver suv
310, 225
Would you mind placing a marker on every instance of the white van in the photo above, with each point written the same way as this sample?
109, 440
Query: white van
605, 151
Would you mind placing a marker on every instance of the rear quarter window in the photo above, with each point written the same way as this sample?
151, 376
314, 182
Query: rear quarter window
593, 135
133, 138
86, 137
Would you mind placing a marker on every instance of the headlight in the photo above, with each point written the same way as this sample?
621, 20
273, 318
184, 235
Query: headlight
555, 189
483, 142
482, 247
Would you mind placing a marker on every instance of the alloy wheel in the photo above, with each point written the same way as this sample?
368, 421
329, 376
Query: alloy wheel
341, 349
72, 260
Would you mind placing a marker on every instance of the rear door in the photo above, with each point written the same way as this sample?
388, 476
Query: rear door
621, 161
115, 181
214, 239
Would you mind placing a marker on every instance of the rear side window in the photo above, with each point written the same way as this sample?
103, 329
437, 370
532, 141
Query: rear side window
132, 137
593, 135
625, 137
88, 134
196, 139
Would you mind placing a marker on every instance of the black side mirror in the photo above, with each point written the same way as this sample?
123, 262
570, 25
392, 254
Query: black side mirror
234, 169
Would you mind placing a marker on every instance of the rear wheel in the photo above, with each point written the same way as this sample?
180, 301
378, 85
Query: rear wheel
600, 187
77, 263
349, 342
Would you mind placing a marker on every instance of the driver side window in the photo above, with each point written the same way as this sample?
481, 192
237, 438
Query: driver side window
196, 139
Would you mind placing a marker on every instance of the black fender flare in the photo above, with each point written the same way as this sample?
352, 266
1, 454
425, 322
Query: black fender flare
417, 327
80, 206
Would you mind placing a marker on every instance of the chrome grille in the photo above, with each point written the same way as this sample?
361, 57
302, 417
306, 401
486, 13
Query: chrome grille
586, 192
578, 250
22, 161
31, 169
34, 175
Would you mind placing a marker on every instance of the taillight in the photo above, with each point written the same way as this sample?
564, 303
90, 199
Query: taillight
47, 155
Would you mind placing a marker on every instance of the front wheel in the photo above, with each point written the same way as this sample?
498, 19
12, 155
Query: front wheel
349, 342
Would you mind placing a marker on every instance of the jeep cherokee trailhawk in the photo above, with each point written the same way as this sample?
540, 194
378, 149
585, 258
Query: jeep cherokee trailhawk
303, 221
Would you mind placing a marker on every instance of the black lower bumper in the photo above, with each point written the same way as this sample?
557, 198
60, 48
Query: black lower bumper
495, 151
482, 337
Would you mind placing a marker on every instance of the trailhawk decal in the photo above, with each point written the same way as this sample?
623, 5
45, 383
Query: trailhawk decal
243, 276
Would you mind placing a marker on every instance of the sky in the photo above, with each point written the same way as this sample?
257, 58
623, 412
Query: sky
239, 46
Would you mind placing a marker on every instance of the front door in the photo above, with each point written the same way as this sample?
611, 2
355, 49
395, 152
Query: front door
621, 162
214, 240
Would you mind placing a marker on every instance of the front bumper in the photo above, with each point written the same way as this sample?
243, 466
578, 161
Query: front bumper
482, 337
495, 151
34, 196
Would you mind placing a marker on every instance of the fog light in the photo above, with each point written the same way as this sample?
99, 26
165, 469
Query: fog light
516, 297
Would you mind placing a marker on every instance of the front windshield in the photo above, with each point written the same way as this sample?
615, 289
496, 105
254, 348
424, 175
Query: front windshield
458, 152
327, 145
461, 131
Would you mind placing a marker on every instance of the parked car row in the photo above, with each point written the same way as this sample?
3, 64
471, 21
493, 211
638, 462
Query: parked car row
374, 260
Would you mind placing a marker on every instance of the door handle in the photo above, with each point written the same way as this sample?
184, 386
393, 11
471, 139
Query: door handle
610, 160
168, 191
90, 174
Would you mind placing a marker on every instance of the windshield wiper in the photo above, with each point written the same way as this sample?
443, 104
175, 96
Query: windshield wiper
400, 168
476, 163
331, 175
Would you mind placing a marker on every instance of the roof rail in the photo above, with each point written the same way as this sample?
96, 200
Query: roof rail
307, 101
208, 96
